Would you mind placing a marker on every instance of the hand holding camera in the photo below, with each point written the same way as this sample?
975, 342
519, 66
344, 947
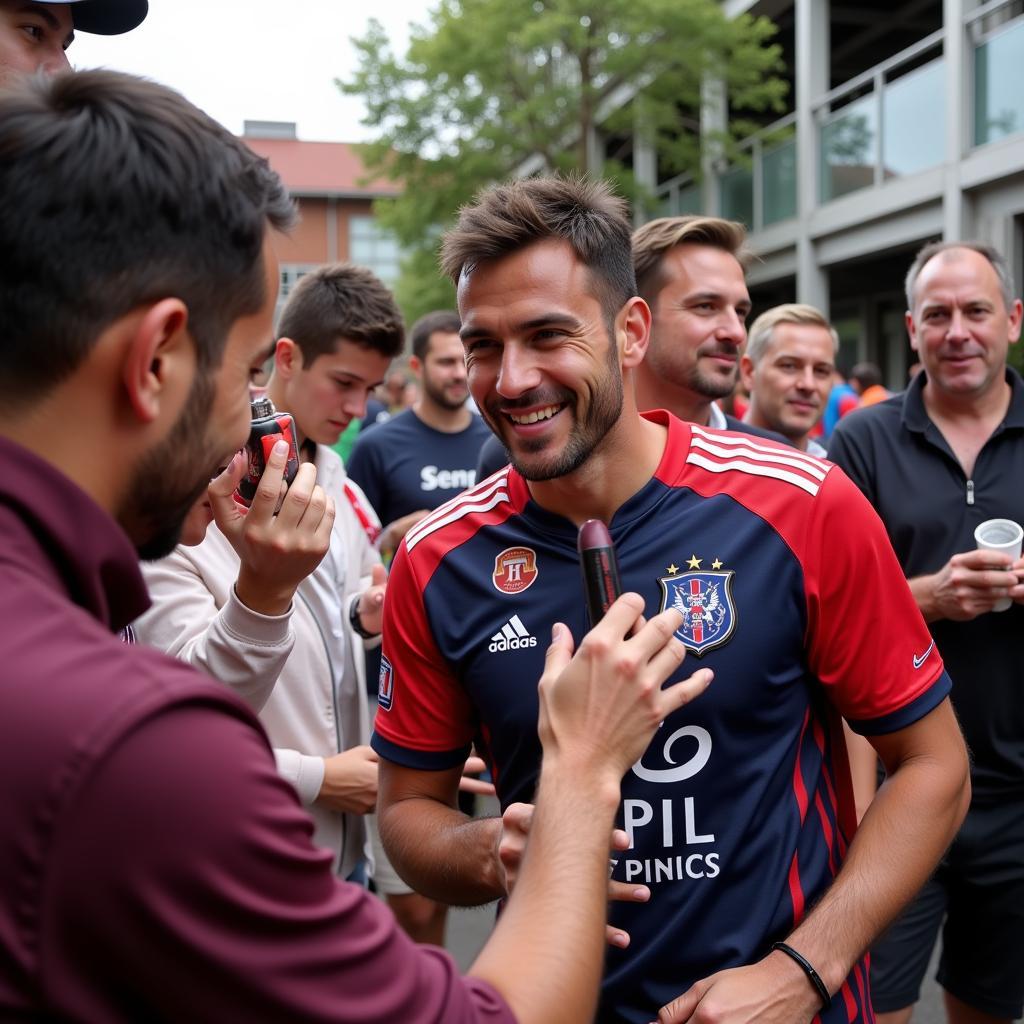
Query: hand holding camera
277, 551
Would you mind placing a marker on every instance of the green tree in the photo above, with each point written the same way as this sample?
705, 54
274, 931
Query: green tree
485, 85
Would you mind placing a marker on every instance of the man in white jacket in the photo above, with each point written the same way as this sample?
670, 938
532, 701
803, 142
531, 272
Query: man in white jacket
337, 335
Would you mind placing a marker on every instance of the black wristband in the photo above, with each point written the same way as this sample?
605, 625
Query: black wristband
356, 622
805, 964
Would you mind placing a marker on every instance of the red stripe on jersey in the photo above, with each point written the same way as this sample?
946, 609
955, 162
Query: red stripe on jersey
826, 831
826, 824
799, 788
829, 765
796, 891
863, 973
849, 1001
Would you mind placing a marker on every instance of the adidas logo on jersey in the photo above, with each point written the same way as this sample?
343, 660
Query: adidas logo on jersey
512, 637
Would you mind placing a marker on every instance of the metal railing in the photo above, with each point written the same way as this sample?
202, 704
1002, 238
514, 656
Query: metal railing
888, 121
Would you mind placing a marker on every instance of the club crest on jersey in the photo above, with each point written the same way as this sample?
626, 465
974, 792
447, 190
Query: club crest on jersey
706, 602
385, 685
515, 570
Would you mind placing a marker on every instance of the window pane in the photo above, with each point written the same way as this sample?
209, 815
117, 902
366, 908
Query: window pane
848, 149
778, 169
914, 121
737, 188
999, 86
372, 246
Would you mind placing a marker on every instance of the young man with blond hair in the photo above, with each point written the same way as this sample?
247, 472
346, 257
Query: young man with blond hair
787, 370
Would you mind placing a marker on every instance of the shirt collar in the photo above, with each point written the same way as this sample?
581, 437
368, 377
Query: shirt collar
716, 418
52, 523
915, 415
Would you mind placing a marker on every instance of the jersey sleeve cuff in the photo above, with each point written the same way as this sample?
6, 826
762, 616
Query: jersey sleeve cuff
428, 760
907, 715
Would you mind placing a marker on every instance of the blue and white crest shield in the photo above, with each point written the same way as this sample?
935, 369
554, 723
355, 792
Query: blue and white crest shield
706, 602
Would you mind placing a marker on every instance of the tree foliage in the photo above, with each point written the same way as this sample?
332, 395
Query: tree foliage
486, 85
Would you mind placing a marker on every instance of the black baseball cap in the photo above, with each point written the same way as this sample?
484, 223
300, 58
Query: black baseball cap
105, 17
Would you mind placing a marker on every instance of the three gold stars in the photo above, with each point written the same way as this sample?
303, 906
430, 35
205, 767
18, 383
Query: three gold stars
693, 562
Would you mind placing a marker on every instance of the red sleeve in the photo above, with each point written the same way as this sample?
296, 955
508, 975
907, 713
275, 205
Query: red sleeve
867, 641
424, 717
183, 886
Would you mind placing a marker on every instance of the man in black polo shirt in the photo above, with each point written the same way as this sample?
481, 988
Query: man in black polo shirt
935, 462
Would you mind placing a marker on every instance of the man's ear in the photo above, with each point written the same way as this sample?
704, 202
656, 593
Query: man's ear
161, 359
287, 358
747, 373
908, 318
634, 330
416, 366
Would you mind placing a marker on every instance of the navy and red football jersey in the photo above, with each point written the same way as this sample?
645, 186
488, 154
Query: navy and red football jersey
740, 812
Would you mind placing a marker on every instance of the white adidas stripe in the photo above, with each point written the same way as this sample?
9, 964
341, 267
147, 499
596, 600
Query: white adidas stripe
517, 624
454, 516
751, 442
754, 469
492, 487
818, 471
512, 630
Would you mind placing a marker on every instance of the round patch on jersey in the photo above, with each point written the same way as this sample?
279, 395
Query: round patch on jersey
515, 570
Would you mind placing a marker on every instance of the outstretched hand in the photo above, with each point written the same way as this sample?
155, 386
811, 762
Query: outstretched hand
600, 706
277, 551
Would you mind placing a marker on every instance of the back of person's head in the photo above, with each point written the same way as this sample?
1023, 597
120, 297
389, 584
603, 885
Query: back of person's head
441, 321
504, 219
865, 375
655, 239
341, 302
759, 338
933, 249
116, 192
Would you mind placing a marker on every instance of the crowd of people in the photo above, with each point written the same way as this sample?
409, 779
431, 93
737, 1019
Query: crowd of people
789, 755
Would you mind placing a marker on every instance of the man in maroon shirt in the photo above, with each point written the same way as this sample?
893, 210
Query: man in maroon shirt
153, 864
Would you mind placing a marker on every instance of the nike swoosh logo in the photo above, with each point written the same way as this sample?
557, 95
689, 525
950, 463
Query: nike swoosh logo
918, 662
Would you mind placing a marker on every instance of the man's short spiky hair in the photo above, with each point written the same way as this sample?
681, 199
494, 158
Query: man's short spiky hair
116, 192
763, 328
658, 237
503, 219
342, 302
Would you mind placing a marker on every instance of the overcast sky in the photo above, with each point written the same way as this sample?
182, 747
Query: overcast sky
257, 60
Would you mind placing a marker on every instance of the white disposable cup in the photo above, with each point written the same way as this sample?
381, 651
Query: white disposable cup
1000, 535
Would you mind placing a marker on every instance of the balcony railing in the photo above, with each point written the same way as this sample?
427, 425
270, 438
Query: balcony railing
887, 122
761, 190
998, 35
677, 196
